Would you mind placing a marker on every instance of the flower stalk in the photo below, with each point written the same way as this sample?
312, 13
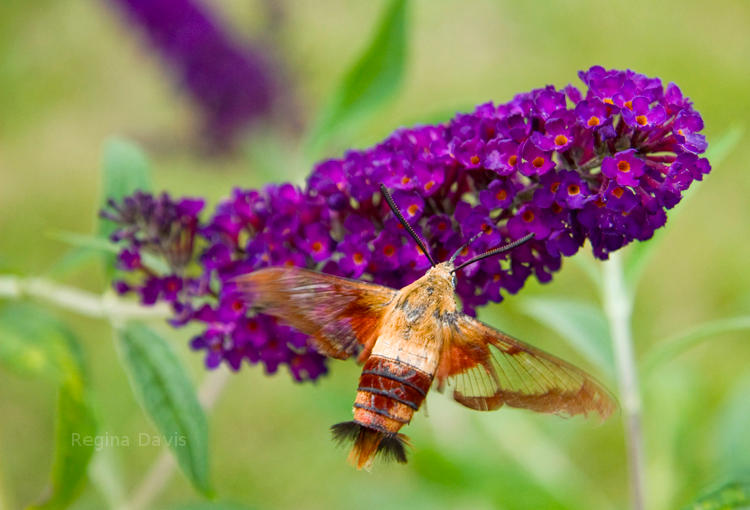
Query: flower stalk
618, 309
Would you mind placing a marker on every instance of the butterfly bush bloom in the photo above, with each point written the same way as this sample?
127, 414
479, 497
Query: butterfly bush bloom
232, 84
601, 165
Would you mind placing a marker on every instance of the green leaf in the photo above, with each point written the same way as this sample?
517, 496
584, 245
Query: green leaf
125, 169
731, 496
732, 439
103, 245
74, 444
34, 343
672, 347
167, 395
373, 79
639, 254
582, 324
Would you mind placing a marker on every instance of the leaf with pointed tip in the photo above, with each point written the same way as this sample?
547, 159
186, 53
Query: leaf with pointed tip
166, 393
672, 347
125, 169
373, 79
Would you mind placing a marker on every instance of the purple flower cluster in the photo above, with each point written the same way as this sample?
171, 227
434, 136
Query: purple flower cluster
232, 84
603, 165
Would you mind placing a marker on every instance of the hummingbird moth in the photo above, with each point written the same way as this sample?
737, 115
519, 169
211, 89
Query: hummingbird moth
409, 338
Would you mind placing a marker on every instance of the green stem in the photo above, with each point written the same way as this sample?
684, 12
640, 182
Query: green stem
106, 306
618, 308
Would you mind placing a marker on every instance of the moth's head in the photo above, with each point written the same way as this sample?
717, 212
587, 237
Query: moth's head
444, 273
446, 270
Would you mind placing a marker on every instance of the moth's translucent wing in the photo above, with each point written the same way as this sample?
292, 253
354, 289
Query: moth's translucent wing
486, 369
338, 314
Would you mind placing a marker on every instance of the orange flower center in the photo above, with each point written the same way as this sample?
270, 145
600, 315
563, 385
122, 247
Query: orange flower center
495, 277
389, 250
556, 208
527, 216
317, 246
405, 180
428, 186
573, 189
554, 187
629, 105
593, 121
501, 195
486, 228
237, 306
474, 160
538, 162
608, 100
623, 166
642, 120
561, 140
618, 192
358, 258
412, 209
512, 160
289, 263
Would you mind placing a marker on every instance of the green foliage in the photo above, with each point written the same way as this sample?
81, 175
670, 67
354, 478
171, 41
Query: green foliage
36, 344
372, 80
582, 325
670, 348
732, 437
732, 496
125, 169
166, 393
639, 254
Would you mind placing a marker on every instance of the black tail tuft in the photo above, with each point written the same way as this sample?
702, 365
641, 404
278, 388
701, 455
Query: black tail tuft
393, 447
369, 442
345, 431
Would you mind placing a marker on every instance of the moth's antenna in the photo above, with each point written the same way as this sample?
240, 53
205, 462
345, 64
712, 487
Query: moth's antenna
496, 251
465, 245
392, 205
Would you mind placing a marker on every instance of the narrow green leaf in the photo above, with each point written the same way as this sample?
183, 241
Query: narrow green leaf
167, 395
74, 444
672, 347
125, 169
103, 245
732, 439
582, 324
373, 79
34, 343
731, 496
639, 254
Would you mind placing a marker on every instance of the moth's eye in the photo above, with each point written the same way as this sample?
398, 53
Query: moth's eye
453, 280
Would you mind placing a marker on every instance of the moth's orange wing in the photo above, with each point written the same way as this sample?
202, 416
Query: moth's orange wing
487, 368
339, 315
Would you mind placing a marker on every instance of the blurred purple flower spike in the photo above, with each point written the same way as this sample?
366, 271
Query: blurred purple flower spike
232, 84
601, 166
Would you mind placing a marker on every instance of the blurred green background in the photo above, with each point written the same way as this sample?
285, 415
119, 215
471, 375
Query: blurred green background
74, 73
